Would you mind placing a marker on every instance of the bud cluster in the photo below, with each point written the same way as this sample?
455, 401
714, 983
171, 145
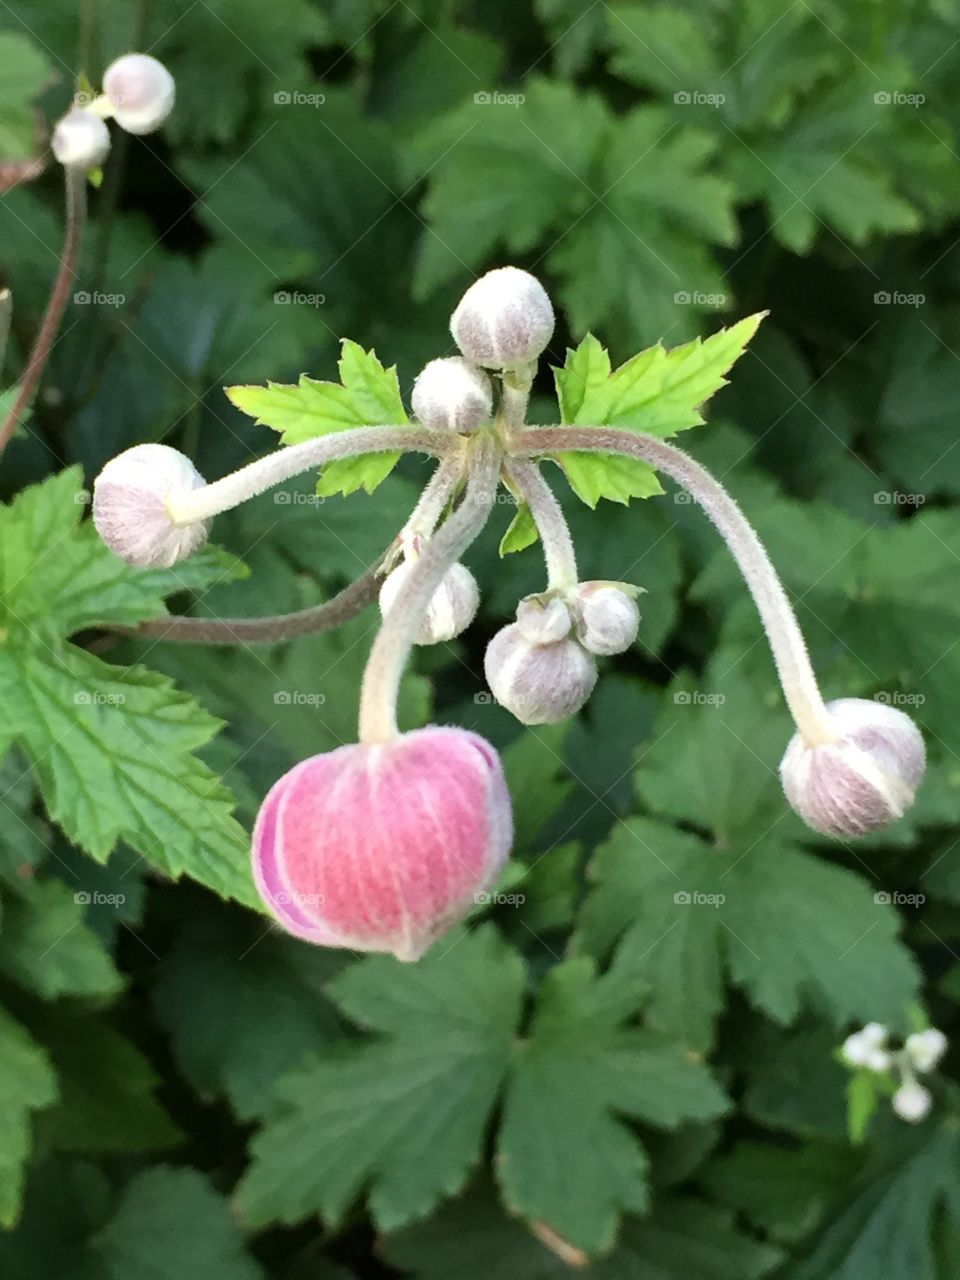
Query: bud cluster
869, 1049
138, 92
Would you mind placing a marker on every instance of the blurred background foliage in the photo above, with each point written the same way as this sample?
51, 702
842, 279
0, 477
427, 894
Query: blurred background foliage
343, 169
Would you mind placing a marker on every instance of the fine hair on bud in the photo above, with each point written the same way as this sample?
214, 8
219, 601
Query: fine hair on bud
538, 683
452, 395
504, 320
130, 511
141, 92
862, 781
80, 139
543, 621
608, 619
453, 606
383, 847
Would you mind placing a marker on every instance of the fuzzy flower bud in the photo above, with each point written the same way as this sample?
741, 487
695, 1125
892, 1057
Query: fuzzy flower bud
912, 1102
543, 621
863, 781
383, 848
452, 395
504, 320
130, 506
865, 1048
81, 139
609, 618
926, 1048
538, 683
141, 92
453, 606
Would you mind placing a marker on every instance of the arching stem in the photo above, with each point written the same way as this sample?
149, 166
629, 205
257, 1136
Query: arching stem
433, 502
391, 649
550, 521
213, 499
76, 185
783, 632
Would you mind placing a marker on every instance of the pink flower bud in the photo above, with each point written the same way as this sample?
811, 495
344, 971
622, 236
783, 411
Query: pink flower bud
81, 139
452, 394
130, 506
609, 618
543, 621
862, 782
384, 847
141, 92
538, 683
453, 606
504, 320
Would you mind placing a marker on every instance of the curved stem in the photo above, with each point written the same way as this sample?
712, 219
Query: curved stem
516, 396
270, 630
433, 501
783, 632
6, 314
551, 523
76, 185
284, 463
388, 657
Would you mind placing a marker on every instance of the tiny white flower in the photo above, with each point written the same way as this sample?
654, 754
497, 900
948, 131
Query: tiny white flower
926, 1048
912, 1102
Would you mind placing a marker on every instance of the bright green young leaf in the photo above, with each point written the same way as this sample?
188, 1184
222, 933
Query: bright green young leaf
27, 1084
521, 532
367, 395
657, 392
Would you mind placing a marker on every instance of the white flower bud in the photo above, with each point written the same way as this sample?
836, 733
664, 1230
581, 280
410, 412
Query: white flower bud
609, 618
453, 606
926, 1048
538, 683
855, 1050
543, 621
878, 1060
504, 319
452, 394
81, 139
875, 1034
912, 1102
141, 92
130, 506
862, 782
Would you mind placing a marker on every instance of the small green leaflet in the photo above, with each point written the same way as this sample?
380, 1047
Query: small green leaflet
367, 395
521, 533
404, 1114
27, 1083
657, 392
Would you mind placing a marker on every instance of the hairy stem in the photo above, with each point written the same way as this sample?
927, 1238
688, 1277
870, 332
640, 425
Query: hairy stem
516, 396
282, 464
388, 657
270, 630
550, 521
433, 501
783, 632
76, 186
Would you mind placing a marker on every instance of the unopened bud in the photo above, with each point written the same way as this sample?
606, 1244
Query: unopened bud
453, 606
130, 511
863, 781
865, 1048
383, 848
609, 618
81, 139
926, 1048
504, 320
538, 683
141, 92
543, 621
912, 1102
453, 395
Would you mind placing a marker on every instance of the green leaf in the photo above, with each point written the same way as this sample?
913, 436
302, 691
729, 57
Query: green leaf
580, 1069
27, 1084
367, 395
403, 1115
24, 71
147, 1235
863, 1098
521, 533
47, 948
657, 392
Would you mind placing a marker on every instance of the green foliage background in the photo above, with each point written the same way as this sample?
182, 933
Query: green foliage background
603, 1076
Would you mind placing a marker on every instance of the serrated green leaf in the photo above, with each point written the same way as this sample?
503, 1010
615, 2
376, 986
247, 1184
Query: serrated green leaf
46, 946
367, 395
27, 1084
